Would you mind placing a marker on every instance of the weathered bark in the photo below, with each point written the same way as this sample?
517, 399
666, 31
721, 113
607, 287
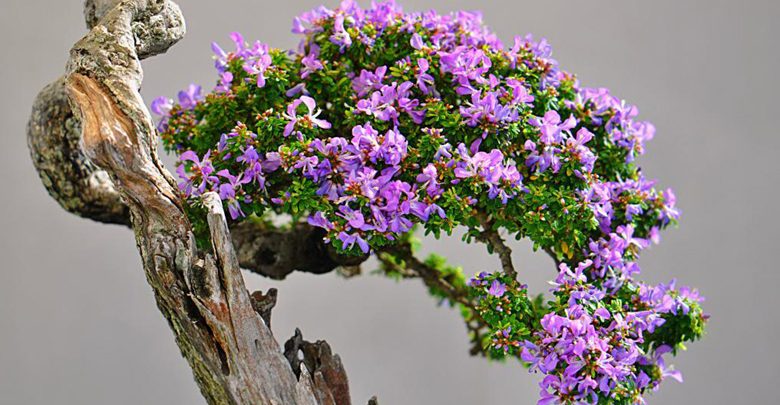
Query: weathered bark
113, 170
53, 136
277, 253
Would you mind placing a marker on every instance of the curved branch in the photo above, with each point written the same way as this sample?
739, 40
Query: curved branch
53, 136
412, 267
53, 133
490, 236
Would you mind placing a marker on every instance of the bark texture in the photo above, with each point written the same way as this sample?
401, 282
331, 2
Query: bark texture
276, 253
53, 136
98, 160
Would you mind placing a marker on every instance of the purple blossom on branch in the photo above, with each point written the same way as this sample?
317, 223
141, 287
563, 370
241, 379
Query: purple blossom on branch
308, 120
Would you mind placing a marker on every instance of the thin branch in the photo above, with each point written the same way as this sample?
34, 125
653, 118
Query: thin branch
553, 255
412, 267
490, 236
430, 276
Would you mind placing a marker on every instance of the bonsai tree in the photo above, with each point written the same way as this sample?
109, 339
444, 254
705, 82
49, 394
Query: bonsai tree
381, 125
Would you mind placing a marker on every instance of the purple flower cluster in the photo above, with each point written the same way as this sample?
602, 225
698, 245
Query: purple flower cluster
601, 347
589, 355
596, 347
361, 175
616, 116
348, 173
628, 198
503, 181
383, 119
199, 175
389, 101
666, 298
256, 61
503, 304
309, 119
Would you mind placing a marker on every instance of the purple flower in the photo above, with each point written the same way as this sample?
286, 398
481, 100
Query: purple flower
666, 371
394, 148
424, 79
312, 19
632, 210
487, 166
387, 103
227, 192
570, 278
669, 211
220, 57
429, 179
272, 162
189, 98
311, 62
487, 110
424, 211
225, 82
627, 234
161, 106
468, 66
548, 158
550, 127
238, 40
497, 289
257, 61
254, 167
318, 219
519, 92
199, 169
349, 240
354, 218
417, 41
340, 35
309, 120
369, 81
576, 146
299, 88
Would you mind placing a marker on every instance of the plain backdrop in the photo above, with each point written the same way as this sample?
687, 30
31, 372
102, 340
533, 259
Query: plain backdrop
78, 323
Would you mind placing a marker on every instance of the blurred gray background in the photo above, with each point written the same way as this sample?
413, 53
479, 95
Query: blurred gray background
78, 324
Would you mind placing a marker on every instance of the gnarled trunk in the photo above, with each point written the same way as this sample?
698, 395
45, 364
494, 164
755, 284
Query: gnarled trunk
94, 145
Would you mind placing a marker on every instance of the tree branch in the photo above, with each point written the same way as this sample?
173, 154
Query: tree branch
490, 236
275, 253
412, 267
53, 136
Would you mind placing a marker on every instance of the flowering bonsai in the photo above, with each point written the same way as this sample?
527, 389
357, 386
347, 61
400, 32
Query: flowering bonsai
380, 126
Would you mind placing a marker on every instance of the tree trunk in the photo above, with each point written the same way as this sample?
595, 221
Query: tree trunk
98, 159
